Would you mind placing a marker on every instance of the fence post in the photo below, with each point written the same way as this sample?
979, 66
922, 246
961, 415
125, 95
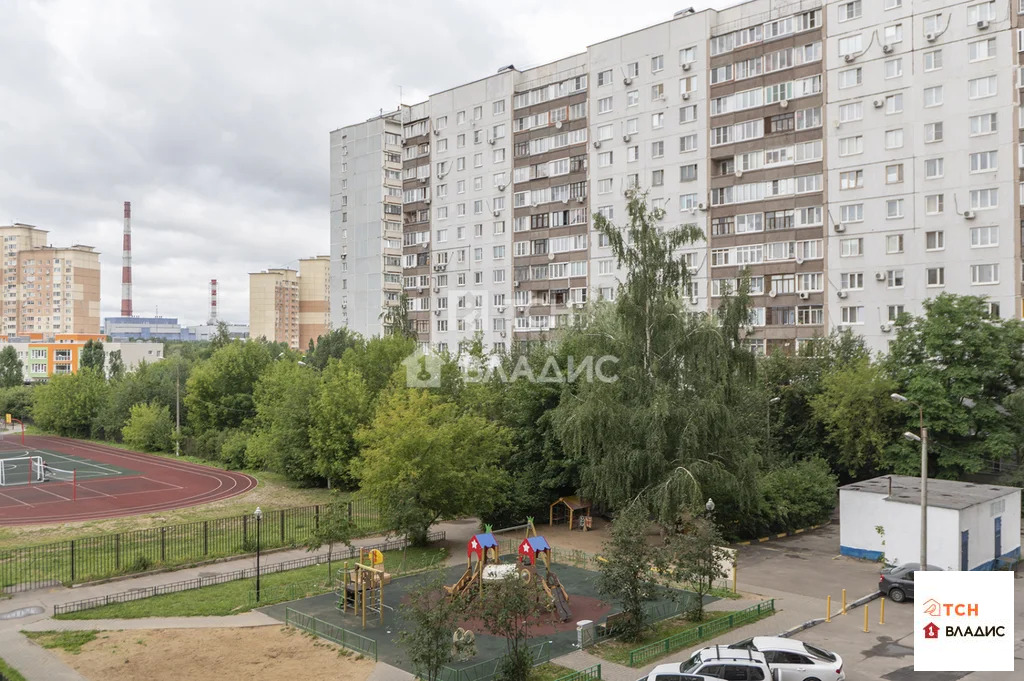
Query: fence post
245, 531
350, 511
730, 621
72, 560
117, 552
163, 544
282, 526
316, 517
206, 537
599, 670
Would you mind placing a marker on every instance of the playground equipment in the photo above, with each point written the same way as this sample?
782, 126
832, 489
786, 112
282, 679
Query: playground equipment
532, 549
571, 509
485, 548
362, 586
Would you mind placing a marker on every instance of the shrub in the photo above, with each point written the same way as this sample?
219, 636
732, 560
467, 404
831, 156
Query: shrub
148, 428
797, 496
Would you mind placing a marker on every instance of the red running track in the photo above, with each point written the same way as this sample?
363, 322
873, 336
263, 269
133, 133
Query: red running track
161, 484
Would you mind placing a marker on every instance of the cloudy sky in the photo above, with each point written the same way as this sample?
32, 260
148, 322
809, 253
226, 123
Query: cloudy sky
212, 118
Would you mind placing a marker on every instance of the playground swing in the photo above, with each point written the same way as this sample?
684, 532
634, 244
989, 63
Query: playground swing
362, 586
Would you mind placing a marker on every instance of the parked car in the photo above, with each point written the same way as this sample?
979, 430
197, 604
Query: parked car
897, 583
670, 672
794, 660
722, 662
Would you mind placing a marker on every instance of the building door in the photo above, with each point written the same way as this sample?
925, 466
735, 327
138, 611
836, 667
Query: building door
964, 541
999, 536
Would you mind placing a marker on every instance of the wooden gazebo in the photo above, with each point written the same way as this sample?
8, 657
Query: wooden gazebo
573, 504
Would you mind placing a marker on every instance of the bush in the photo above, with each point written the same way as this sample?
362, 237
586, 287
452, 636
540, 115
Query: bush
148, 428
232, 451
797, 496
17, 401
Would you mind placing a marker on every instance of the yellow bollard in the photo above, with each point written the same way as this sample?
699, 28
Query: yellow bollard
881, 616
828, 609
844, 601
865, 618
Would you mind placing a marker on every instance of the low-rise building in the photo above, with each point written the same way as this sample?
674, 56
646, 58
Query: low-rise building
61, 353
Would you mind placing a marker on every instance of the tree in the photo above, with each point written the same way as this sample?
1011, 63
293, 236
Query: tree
626, 576
67, 404
221, 338
431, 619
331, 345
508, 608
11, 368
423, 461
338, 408
796, 496
281, 439
378, 359
333, 527
696, 557
149, 428
117, 369
92, 356
396, 320
219, 393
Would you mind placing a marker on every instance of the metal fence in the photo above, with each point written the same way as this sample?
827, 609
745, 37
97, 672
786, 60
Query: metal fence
249, 573
588, 674
488, 669
638, 657
331, 632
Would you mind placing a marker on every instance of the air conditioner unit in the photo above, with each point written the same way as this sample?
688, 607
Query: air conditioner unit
344, 255
492, 140
701, 206
437, 289
426, 201
627, 80
501, 187
879, 276
502, 334
692, 270
968, 215
424, 245
839, 227
626, 138
630, 193
565, 201
496, 213
693, 301
842, 294
437, 313
686, 95
738, 173
887, 49
982, 25
558, 125
848, 58
772, 293
423, 180
501, 308
804, 295
437, 131
931, 37
784, 103
515, 283
597, 144
658, 213
799, 260
687, 66
750, 329
580, 199
551, 256
886, 328
878, 103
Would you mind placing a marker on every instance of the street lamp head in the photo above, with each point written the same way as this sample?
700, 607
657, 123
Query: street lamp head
775, 400
896, 397
257, 513
911, 436
301, 363
710, 506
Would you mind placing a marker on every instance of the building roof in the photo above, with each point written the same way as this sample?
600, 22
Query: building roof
941, 493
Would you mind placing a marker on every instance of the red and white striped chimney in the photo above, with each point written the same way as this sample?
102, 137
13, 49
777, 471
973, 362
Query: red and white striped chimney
213, 301
126, 263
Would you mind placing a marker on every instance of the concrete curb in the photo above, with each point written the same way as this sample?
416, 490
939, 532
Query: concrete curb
815, 622
782, 535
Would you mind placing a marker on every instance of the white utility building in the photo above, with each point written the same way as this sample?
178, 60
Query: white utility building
970, 526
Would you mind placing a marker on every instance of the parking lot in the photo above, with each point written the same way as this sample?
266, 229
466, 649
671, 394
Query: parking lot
809, 565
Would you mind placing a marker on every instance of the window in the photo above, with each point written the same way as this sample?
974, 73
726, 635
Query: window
850, 10
933, 96
604, 159
853, 315
851, 281
894, 279
688, 114
894, 103
932, 23
982, 199
853, 111
983, 11
935, 276
657, 120
633, 69
983, 161
934, 241
894, 138
894, 68
604, 78
657, 63
893, 209
632, 98
849, 248
983, 124
933, 132
632, 153
934, 204
984, 274
981, 49
849, 78
892, 34
849, 146
657, 149
851, 212
894, 243
979, 88
851, 179
892, 4
894, 173
850, 45
478, 113
604, 105
894, 312
984, 237
687, 55
688, 142
657, 92
933, 168
933, 60
687, 173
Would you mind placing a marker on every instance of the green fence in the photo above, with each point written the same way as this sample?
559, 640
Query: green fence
331, 632
638, 657
588, 674
486, 670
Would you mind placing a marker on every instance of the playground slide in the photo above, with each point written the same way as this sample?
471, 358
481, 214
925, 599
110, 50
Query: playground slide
561, 607
468, 577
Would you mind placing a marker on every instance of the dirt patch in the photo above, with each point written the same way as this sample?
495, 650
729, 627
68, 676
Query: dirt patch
253, 654
591, 541
545, 624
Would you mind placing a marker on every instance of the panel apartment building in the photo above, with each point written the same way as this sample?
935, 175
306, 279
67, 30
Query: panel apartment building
291, 306
853, 159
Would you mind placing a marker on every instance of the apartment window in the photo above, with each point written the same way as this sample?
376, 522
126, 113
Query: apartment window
983, 161
984, 274
894, 279
657, 92
894, 138
850, 10
852, 314
894, 312
933, 132
657, 120
984, 237
933, 96
478, 231
851, 212
498, 107
688, 142
983, 11
894, 68
933, 60
893, 209
894, 173
850, 146
894, 243
851, 281
894, 103
892, 34
687, 173
979, 88
934, 241
632, 153
604, 105
982, 199
632, 126
633, 69
657, 149
687, 55
604, 78
935, 276
688, 113
478, 113
688, 202
632, 98
849, 248
605, 186
854, 111
851, 179
657, 63
850, 78
932, 23
604, 159
983, 124
460, 163
934, 204
980, 50
850, 45
933, 168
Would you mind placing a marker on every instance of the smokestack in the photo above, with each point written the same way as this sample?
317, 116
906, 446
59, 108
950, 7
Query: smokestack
213, 301
126, 263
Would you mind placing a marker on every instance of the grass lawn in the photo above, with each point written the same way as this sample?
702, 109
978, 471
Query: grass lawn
235, 597
10, 672
549, 671
71, 641
618, 651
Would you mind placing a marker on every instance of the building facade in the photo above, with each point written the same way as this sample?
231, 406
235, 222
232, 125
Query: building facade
314, 298
142, 328
291, 306
848, 160
59, 354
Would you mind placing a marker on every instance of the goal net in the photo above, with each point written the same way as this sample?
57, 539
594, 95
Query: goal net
57, 474
21, 470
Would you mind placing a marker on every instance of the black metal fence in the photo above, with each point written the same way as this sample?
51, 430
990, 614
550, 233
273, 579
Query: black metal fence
339, 554
89, 558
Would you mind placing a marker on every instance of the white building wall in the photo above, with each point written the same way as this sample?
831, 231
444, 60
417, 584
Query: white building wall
979, 522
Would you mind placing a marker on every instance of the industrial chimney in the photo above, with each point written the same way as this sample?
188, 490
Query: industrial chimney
213, 302
126, 263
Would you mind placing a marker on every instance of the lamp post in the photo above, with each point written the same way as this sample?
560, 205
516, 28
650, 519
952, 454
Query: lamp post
923, 439
709, 507
768, 418
258, 514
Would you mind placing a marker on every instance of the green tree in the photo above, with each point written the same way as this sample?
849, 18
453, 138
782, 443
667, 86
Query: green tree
431, 620
378, 359
423, 461
17, 401
797, 495
117, 368
92, 356
333, 527
396, 319
222, 338
339, 407
67, 404
331, 345
626, 576
696, 557
11, 368
148, 383
219, 393
508, 609
281, 439
149, 428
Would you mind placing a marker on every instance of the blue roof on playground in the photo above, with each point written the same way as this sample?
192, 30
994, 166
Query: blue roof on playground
538, 543
486, 540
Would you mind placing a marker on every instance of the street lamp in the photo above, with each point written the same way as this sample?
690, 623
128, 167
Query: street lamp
768, 418
709, 507
258, 514
923, 439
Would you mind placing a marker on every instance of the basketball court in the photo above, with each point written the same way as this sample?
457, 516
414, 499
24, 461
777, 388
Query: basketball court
52, 479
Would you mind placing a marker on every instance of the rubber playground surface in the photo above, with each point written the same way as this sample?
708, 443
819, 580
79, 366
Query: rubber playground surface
584, 602
107, 482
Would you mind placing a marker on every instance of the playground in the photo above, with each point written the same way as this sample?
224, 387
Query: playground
51, 479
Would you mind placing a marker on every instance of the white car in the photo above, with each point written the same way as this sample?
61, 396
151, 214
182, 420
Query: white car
795, 660
670, 672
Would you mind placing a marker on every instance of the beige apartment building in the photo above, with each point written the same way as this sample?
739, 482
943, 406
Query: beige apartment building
291, 306
48, 290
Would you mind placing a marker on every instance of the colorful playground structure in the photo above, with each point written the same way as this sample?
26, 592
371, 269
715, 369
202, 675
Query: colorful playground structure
362, 586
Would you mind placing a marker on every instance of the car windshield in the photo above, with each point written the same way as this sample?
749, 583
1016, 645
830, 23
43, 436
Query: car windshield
818, 652
745, 644
691, 665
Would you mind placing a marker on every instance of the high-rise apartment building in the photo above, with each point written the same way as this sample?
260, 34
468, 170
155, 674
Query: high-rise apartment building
852, 160
289, 306
314, 298
48, 290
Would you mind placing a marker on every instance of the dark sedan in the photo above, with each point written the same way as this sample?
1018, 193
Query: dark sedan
897, 583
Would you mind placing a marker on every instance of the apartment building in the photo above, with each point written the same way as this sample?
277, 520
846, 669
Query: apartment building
48, 290
60, 353
810, 142
314, 298
274, 306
